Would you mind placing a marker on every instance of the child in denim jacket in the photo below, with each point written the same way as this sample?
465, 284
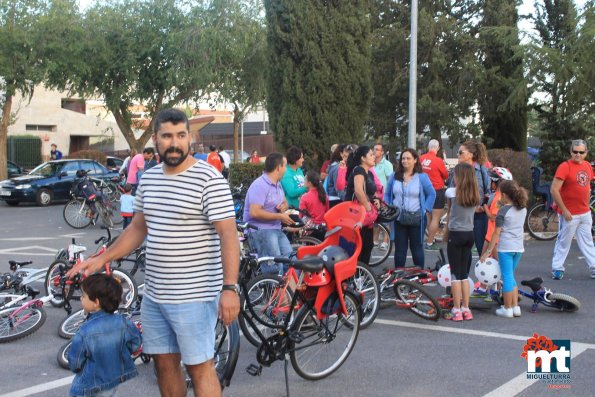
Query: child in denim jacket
101, 349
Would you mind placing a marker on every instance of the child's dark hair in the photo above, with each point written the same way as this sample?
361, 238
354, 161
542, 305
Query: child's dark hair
105, 288
314, 179
127, 188
517, 193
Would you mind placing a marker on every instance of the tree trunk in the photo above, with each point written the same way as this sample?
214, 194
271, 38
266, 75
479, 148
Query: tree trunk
138, 144
237, 116
6, 108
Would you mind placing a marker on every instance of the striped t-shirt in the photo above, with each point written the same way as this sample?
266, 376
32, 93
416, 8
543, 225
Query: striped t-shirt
183, 254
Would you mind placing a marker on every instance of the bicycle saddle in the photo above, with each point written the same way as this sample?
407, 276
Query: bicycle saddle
14, 265
534, 283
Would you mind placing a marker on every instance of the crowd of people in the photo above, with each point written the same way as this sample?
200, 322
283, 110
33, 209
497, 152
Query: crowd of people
184, 211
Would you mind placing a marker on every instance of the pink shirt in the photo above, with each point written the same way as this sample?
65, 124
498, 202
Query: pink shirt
137, 163
312, 204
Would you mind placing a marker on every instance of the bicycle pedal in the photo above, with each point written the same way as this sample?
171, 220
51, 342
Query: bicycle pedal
254, 370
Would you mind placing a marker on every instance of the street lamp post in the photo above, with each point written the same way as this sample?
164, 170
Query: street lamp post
413, 77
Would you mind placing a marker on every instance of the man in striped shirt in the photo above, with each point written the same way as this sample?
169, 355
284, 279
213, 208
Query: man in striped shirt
184, 208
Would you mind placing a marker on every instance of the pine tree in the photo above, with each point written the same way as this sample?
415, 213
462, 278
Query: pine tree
319, 82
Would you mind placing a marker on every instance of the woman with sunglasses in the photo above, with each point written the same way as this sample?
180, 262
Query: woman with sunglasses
410, 190
475, 154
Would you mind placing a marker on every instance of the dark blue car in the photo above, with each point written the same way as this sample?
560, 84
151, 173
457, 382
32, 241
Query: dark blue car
50, 181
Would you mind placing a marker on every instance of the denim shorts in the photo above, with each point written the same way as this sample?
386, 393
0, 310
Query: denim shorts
186, 328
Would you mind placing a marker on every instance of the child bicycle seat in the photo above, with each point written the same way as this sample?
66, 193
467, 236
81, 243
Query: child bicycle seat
542, 190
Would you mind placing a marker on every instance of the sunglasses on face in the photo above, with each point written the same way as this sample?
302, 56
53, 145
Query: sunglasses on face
579, 152
462, 151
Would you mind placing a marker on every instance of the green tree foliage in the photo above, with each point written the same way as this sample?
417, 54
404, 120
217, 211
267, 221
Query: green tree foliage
319, 83
136, 52
20, 61
502, 94
447, 69
236, 32
562, 73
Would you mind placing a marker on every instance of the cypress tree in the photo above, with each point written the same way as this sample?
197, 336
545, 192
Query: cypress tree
319, 76
503, 95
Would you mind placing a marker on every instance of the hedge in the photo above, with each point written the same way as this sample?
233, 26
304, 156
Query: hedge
519, 164
244, 173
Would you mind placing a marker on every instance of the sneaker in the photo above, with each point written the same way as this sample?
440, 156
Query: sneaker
454, 316
431, 247
479, 292
375, 243
504, 312
467, 315
383, 245
593, 273
516, 311
559, 274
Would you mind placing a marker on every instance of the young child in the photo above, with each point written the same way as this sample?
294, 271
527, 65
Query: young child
101, 349
314, 200
497, 175
462, 201
508, 234
127, 205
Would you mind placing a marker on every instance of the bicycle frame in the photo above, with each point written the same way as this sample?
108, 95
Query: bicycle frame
37, 302
32, 275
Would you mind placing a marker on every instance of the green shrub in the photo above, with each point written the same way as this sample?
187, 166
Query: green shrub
519, 164
89, 154
244, 173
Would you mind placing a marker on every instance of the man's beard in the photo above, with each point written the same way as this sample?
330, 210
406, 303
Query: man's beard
172, 162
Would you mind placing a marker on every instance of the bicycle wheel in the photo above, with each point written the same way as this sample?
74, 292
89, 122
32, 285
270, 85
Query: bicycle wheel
381, 249
419, 300
129, 287
227, 350
62, 356
56, 271
303, 241
18, 322
71, 324
104, 214
565, 303
365, 285
114, 210
77, 214
139, 262
325, 343
265, 297
542, 223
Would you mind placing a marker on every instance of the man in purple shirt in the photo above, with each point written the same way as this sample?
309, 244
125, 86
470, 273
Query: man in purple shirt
265, 207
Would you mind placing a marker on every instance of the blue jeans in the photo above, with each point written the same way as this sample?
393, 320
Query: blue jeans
409, 236
508, 263
271, 242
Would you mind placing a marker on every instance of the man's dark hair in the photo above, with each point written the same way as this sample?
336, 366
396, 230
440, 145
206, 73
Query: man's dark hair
273, 161
220, 148
149, 150
171, 115
294, 153
105, 288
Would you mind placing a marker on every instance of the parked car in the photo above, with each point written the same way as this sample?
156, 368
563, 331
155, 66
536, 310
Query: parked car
14, 169
114, 163
243, 155
50, 181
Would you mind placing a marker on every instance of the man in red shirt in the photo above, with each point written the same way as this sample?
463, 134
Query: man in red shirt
436, 170
570, 190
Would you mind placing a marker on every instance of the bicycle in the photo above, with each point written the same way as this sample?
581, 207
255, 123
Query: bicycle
323, 314
63, 289
18, 318
381, 249
89, 202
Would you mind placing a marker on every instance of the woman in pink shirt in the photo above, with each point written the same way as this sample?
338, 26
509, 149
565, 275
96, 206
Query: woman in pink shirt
314, 200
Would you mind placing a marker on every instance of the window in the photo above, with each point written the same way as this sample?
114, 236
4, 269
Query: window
71, 167
76, 105
40, 128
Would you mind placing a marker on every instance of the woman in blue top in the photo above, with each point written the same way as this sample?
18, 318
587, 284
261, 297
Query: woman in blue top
410, 190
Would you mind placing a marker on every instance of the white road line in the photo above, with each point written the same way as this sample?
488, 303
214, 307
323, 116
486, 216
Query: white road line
520, 383
40, 388
28, 238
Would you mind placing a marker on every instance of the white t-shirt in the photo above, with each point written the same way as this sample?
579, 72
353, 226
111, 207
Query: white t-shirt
183, 254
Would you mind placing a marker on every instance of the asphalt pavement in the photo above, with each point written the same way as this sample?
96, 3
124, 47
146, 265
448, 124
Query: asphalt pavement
399, 355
